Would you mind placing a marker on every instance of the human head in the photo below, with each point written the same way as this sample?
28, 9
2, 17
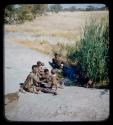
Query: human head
53, 71
46, 71
57, 55
34, 68
39, 63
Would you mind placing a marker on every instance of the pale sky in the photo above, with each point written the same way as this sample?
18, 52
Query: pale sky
76, 5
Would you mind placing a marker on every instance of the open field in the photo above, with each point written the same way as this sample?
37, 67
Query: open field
65, 24
64, 27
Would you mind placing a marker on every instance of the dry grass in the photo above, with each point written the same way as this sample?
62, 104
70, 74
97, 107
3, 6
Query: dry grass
38, 46
42, 46
67, 24
64, 24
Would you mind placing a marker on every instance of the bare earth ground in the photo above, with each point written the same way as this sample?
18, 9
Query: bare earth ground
18, 63
71, 103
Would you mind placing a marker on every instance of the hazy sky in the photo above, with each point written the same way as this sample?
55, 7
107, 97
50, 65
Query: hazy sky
81, 5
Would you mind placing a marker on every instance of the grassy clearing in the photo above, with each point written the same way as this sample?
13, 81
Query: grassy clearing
68, 25
67, 34
70, 35
41, 46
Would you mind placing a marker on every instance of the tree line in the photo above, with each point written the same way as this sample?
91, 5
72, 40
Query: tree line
17, 14
58, 7
22, 12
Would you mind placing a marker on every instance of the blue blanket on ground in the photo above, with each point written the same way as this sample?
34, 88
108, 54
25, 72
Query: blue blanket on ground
69, 72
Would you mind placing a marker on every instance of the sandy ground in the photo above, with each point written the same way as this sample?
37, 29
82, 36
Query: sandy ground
18, 63
71, 103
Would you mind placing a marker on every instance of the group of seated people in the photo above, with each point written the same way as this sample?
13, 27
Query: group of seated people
41, 79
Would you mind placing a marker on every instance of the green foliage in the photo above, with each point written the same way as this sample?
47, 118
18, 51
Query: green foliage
9, 12
23, 12
93, 52
90, 8
39, 9
56, 8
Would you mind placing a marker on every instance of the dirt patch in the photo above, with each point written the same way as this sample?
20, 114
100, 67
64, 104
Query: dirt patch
9, 98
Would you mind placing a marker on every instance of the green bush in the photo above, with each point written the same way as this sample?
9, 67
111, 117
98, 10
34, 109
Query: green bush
93, 52
24, 12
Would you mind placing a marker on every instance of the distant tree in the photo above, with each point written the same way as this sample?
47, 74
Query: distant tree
72, 8
39, 9
9, 12
103, 8
56, 8
23, 12
65, 9
90, 8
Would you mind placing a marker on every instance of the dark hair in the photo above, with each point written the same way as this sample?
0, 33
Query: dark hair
46, 70
53, 71
57, 54
34, 66
39, 63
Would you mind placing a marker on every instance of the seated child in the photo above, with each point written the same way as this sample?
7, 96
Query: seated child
54, 79
31, 80
40, 70
89, 84
46, 78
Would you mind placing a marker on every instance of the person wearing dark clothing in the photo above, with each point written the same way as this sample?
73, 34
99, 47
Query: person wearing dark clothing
83, 80
57, 61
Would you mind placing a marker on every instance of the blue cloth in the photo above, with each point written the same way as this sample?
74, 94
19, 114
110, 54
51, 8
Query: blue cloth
69, 72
